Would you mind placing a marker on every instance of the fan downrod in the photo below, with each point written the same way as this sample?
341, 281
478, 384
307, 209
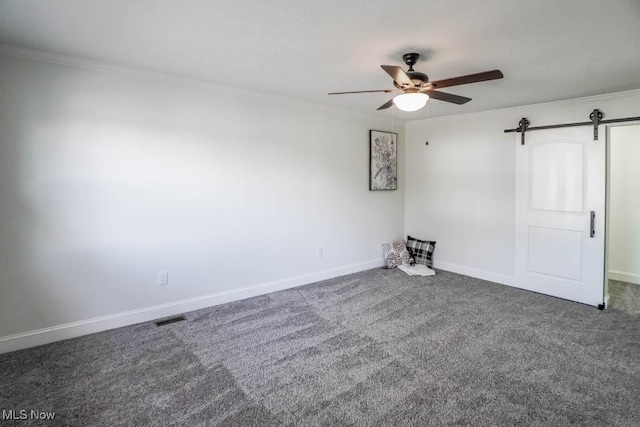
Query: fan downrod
410, 59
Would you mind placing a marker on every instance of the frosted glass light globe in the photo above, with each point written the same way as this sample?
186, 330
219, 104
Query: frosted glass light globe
411, 101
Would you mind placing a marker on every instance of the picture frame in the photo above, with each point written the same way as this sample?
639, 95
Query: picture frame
383, 160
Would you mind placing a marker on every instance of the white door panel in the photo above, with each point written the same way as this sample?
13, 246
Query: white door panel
557, 176
543, 246
560, 180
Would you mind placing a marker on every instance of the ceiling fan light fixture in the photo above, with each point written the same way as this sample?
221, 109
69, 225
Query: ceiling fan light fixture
411, 101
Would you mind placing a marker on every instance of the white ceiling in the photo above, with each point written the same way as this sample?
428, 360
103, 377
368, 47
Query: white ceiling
548, 49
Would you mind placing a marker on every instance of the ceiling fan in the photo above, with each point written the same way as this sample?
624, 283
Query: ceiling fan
415, 89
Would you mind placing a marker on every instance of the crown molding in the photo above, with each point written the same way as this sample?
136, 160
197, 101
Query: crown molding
168, 78
536, 106
83, 63
57, 58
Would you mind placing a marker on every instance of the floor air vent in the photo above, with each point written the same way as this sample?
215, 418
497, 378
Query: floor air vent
170, 320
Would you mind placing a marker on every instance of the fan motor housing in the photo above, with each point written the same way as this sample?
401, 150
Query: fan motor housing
416, 77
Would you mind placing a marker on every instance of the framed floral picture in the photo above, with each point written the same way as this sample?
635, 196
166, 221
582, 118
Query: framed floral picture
383, 160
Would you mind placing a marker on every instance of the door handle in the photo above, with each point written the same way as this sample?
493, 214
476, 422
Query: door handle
592, 228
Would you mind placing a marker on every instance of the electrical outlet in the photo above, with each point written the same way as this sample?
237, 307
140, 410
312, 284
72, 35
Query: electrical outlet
320, 253
163, 278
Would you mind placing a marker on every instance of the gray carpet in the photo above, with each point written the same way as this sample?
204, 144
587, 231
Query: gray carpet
624, 296
373, 348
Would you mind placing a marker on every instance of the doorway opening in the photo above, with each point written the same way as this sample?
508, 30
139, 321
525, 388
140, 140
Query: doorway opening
623, 217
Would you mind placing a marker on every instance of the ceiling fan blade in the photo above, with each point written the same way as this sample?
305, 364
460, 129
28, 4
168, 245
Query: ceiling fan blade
471, 78
448, 97
398, 75
362, 91
386, 105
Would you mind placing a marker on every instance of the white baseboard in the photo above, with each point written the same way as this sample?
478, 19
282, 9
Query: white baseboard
84, 327
503, 279
624, 276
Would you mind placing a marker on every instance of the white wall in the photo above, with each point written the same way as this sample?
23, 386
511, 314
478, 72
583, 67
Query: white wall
108, 178
624, 204
460, 189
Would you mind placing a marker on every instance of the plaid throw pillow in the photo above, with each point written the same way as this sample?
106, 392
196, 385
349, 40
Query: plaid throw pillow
421, 251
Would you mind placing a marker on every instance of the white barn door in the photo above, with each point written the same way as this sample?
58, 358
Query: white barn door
560, 210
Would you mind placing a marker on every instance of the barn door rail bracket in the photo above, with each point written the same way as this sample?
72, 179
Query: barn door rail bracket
523, 127
595, 120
